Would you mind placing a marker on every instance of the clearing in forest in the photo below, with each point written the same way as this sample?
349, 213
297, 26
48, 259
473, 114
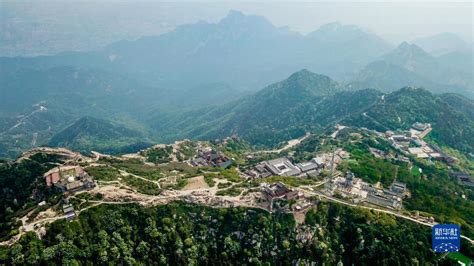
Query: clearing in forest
197, 182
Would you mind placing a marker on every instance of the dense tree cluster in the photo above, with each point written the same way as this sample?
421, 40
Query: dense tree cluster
178, 234
21, 189
159, 154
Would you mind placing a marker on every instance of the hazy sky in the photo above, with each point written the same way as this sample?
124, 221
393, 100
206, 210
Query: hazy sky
395, 21
101, 22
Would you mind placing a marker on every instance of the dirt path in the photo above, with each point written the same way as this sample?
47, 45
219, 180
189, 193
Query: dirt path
125, 173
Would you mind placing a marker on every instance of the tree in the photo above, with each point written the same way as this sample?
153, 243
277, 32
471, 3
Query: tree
142, 249
48, 253
188, 242
17, 254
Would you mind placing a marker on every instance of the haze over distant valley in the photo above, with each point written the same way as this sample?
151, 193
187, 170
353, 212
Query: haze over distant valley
135, 89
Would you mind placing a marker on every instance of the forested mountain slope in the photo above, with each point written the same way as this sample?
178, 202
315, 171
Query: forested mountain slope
280, 111
311, 102
90, 133
450, 116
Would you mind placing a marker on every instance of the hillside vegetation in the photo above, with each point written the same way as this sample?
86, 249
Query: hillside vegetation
177, 234
90, 133
451, 118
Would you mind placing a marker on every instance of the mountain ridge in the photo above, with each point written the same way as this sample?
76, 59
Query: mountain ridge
290, 108
410, 65
443, 43
237, 46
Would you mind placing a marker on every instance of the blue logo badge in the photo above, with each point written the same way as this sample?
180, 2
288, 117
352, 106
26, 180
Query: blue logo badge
446, 238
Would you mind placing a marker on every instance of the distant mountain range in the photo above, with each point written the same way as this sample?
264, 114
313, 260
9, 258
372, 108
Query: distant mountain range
410, 65
154, 85
443, 43
246, 52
